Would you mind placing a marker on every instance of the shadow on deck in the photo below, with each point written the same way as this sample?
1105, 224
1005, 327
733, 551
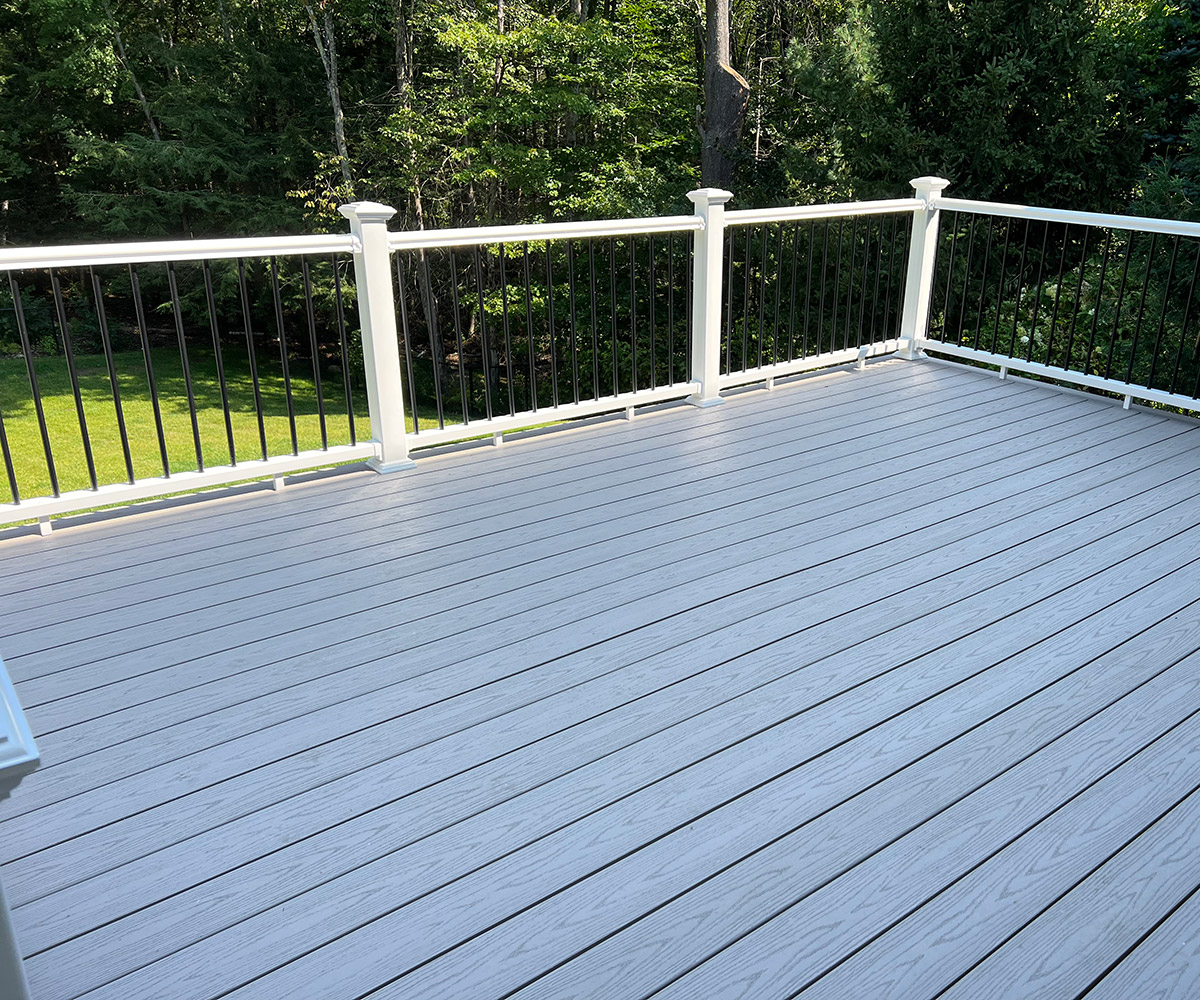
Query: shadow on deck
884, 684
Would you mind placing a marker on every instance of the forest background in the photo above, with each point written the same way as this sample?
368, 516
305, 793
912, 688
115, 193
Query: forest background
140, 119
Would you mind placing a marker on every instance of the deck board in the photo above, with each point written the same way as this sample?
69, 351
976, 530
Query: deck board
739, 701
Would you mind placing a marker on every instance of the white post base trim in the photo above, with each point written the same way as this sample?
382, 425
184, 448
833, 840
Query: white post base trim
378, 465
701, 401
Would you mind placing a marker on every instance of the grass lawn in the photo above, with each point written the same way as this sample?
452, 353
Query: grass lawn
20, 417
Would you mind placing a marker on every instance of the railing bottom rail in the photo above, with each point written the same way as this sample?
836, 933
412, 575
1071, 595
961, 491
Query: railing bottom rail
830, 359
1007, 363
183, 482
551, 414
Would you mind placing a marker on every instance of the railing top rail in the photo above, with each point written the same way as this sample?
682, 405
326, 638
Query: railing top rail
92, 254
424, 239
1132, 222
755, 216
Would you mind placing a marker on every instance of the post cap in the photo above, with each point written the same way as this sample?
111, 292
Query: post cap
709, 196
933, 185
367, 211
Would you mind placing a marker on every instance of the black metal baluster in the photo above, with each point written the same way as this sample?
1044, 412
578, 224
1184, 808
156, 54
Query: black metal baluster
211, 303
670, 309
633, 332
106, 342
778, 296
1037, 296
837, 285
436, 348
252, 354
35, 389
891, 279
962, 307
9, 468
653, 291
485, 350
1137, 327
550, 322
1099, 295
1062, 265
1187, 311
316, 352
508, 362
458, 341
862, 292
177, 310
341, 324
595, 323
73, 373
1078, 295
283, 355
729, 302
905, 239
533, 391
949, 275
574, 339
1162, 317
987, 265
878, 274
762, 296
402, 295
1120, 303
821, 301
791, 351
746, 305
1012, 340
850, 285
812, 247
1008, 228
689, 263
612, 297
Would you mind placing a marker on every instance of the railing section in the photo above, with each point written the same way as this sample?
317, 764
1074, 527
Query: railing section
518, 326
136, 370
140, 370
808, 287
1097, 300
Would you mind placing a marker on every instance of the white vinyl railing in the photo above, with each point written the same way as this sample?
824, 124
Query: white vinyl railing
756, 295
1103, 307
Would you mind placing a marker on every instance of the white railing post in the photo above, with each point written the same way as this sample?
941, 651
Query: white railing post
707, 294
922, 253
381, 343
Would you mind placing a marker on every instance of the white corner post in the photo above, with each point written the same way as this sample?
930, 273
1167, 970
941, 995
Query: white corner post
381, 342
922, 254
707, 294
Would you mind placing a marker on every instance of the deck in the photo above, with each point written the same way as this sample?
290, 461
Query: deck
882, 684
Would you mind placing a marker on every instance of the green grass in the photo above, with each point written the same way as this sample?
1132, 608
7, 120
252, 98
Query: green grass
21, 425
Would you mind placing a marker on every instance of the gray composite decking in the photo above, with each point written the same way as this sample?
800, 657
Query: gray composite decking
882, 684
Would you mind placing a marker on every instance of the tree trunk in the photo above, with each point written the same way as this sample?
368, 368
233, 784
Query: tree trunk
124, 60
428, 298
726, 99
404, 66
326, 43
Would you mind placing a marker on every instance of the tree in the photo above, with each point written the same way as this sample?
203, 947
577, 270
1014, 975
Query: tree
726, 98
